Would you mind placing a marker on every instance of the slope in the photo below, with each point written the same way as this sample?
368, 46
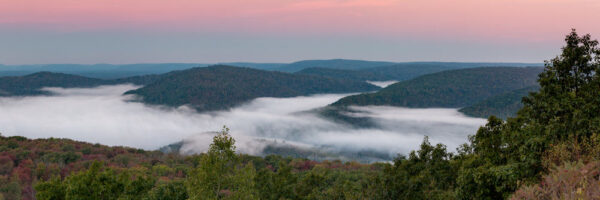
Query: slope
450, 89
221, 87
503, 105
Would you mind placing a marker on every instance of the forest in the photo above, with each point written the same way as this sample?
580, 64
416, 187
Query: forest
222, 87
549, 150
449, 89
32, 84
503, 105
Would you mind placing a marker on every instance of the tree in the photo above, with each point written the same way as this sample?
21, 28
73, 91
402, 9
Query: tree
426, 174
220, 174
97, 183
568, 103
506, 155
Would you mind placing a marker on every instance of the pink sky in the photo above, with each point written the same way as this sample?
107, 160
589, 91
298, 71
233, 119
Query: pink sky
534, 19
492, 21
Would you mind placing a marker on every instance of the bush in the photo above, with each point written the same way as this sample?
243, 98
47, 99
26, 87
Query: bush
573, 180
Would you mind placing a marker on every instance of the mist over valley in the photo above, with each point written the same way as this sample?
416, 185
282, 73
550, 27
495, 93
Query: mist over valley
103, 115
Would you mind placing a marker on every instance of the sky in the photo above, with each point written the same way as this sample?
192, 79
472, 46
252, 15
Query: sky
208, 31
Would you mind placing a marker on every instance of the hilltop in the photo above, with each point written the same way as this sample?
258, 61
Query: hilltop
222, 87
449, 89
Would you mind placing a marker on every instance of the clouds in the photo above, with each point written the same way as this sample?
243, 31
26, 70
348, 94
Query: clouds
102, 115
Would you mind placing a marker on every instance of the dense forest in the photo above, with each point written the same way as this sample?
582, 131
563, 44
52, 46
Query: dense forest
222, 87
33, 83
549, 150
357, 75
332, 64
101, 71
398, 71
450, 89
66, 169
502, 106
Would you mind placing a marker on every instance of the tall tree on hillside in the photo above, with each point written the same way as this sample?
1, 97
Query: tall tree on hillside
568, 102
566, 108
220, 174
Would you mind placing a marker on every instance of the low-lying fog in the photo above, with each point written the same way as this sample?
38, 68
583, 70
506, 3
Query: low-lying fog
382, 84
103, 115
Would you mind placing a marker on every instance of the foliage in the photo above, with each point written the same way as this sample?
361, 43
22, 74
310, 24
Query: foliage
426, 174
566, 109
573, 180
220, 174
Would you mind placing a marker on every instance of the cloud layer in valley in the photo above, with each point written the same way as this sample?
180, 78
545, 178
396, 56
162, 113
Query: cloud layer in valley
103, 115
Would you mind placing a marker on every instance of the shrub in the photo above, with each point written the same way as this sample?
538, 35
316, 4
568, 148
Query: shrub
573, 180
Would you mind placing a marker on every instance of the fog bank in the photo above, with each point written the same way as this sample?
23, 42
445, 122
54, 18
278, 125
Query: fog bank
382, 83
103, 115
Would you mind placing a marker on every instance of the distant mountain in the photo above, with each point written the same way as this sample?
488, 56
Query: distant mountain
503, 105
221, 87
449, 89
31, 84
332, 64
102, 71
113, 71
358, 75
400, 71
263, 66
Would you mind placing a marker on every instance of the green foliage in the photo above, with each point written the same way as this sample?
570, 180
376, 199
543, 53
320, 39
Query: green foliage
276, 185
171, 190
426, 174
220, 174
10, 188
52, 189
564, 110
97, 183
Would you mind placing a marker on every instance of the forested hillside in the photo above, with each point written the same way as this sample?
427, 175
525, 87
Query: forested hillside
102, 71
33, 83
399, 71
66, 169
30, 84
358, 75
332, 64
450, 89
221, 87
502, 106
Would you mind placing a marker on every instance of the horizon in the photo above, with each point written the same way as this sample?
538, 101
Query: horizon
269, 31
283, 63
